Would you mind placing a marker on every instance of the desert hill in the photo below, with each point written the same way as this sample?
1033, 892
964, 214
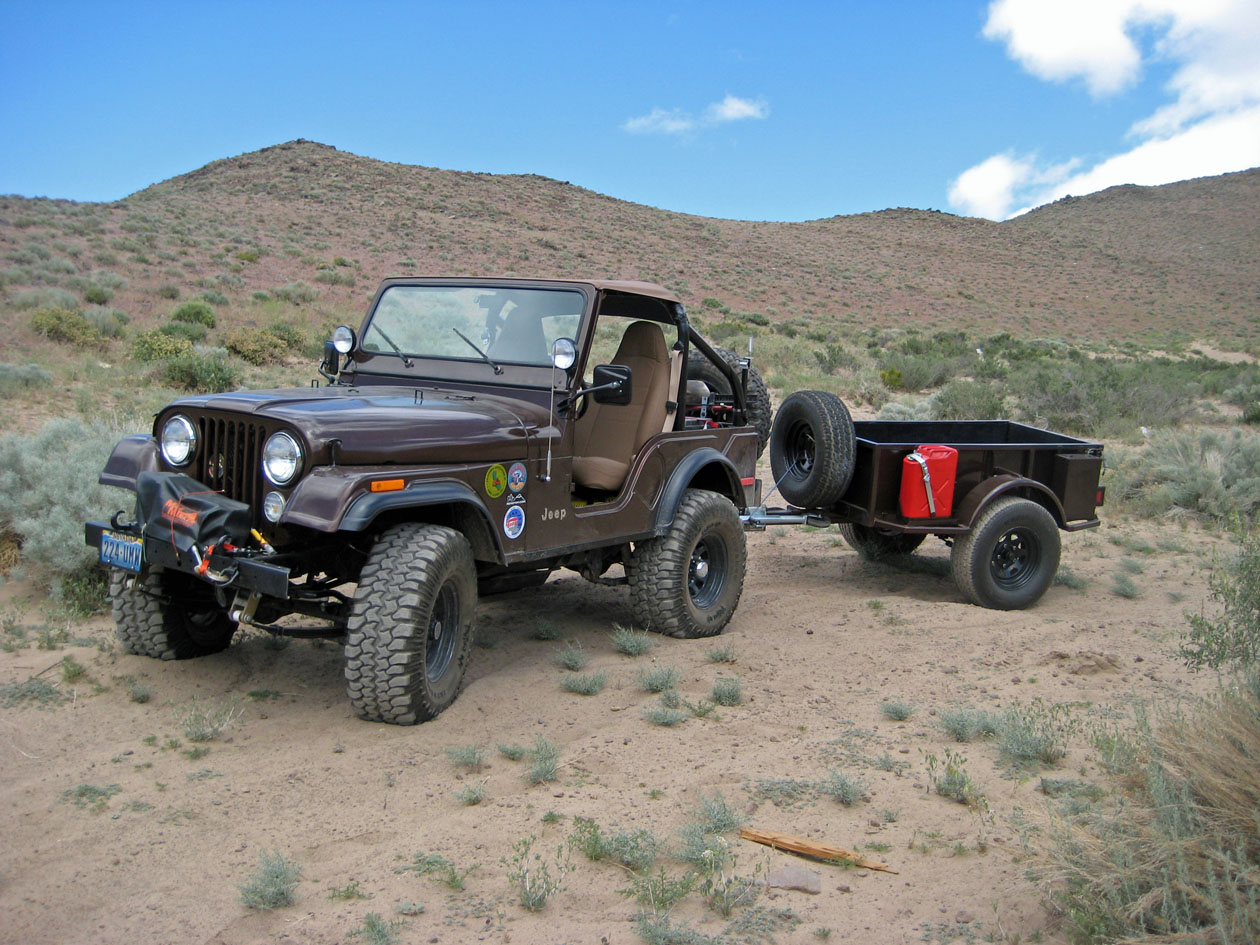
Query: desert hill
1154, 263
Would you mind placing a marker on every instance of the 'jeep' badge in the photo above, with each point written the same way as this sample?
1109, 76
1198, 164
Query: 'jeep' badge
514, 522
496, 480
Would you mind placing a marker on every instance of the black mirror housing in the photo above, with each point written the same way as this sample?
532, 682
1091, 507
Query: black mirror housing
611, 384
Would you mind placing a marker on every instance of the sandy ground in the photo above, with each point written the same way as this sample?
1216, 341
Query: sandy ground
821, 638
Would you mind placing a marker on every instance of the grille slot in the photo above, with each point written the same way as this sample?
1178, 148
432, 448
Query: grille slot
228, 460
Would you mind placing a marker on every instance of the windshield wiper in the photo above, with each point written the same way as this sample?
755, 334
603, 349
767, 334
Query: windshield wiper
485, 357
407, 362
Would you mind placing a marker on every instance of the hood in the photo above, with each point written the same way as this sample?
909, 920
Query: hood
380, 425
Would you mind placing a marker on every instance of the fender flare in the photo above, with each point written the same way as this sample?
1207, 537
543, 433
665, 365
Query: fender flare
708, 461
364, 510
989, 489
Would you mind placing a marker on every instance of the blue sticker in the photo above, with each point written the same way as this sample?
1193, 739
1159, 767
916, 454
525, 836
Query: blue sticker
516, 477
514, 522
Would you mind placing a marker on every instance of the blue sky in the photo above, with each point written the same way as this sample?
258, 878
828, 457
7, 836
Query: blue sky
743, 110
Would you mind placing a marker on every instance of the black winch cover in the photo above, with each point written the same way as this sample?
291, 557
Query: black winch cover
178, 510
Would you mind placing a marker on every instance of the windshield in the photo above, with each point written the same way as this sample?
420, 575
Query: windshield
511, 325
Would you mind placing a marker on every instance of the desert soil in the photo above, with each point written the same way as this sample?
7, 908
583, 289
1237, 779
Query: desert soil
822, 639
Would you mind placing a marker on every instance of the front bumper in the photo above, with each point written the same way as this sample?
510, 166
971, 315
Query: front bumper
264, 574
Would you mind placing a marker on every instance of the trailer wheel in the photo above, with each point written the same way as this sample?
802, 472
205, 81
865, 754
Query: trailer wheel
812, 449
873, 544
687, 582
1010, 556
168, 615
760, 410
411, 625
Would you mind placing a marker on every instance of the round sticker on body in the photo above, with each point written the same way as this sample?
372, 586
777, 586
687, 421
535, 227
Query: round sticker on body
516, 477
496, 480
514, 522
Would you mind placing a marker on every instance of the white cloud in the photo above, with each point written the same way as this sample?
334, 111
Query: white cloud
736, 109
675, 121
1209, 125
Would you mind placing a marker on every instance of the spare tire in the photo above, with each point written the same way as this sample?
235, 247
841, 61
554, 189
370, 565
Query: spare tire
760, 410
812, 447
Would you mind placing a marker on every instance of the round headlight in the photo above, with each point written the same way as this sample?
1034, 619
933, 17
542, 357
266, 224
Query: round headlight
179, 440
343, 338
282, 458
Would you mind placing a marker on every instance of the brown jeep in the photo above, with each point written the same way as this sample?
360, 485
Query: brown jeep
474, 435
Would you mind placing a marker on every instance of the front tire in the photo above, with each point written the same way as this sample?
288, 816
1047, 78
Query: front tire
1010, 556
167, 615
687, 582
411, 625
874, 545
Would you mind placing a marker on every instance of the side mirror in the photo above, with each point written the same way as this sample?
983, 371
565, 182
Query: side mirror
611, 384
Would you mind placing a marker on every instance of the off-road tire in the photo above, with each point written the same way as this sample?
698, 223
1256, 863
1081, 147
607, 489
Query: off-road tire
168, 615
411, 624
1010, 556
757, 397
687, 582
873, 545
812, 448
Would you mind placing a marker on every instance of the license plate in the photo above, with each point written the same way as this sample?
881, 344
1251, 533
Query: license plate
122, 551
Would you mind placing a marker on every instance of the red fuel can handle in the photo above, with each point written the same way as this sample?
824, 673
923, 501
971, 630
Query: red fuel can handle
927, 482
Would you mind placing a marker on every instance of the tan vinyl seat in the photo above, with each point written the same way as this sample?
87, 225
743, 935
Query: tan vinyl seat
609, 435
521, 339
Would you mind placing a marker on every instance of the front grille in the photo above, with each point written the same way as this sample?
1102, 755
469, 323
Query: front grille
229, 460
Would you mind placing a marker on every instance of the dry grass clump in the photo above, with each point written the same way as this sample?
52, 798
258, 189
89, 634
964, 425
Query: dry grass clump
1174, 856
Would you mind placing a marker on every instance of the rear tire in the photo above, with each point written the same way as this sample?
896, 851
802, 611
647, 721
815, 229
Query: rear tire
1010, 556
687, 582
872, 544
411, 625
760, 409
812, 447
168, 615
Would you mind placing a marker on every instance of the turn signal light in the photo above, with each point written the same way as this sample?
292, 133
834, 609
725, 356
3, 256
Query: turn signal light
386, 485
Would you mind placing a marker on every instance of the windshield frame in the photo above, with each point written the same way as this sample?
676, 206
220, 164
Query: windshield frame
464, 366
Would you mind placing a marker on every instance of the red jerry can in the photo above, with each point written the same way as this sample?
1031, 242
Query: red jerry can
927, 482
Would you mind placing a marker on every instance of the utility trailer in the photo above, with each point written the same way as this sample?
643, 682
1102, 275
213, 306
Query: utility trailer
997, 491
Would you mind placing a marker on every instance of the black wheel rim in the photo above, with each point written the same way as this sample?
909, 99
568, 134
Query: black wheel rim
1015, 558
706, 571
801, 450
443, 629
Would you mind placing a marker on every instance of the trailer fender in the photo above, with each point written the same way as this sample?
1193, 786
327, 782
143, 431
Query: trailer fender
981, 495
703, 469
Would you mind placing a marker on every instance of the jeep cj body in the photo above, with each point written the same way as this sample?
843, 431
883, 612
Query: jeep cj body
473, 435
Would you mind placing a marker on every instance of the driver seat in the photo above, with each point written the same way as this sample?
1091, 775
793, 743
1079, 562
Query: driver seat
608, 436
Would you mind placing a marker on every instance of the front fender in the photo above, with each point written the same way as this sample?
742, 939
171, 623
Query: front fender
131, 456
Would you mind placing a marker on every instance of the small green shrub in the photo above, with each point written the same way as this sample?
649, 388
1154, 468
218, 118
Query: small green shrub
512, 752
572, 657
16, 377
544, 761
107, 322
189, 331
665, 716
168, 291
1230, 640
897, 710
470, 795
965, 725
296, 292
845, 788
632, 642
472, 757
201, 373
728, 691
65, 325
155, 346
255, 345
45, 297
213, 297
273, 884
536, 879
97, 295
1036, 732
658, 679
585, 684
203, 721
375, 930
